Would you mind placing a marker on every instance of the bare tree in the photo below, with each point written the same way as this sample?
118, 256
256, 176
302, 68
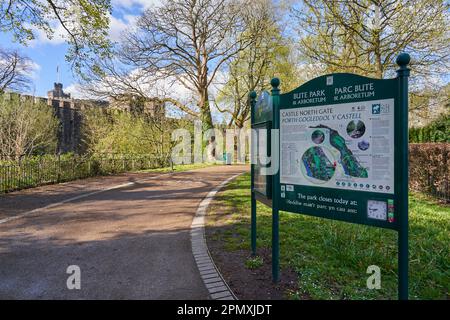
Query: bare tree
111, 79
15, 70
251, 69
27, 127
365, 36
183, 42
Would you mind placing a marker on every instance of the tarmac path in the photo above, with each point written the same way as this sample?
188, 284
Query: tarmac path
131, 242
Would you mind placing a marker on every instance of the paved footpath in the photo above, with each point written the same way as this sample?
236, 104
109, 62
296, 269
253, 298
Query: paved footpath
131, 242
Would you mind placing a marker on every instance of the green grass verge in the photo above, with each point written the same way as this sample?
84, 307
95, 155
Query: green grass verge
181, 167
331, 257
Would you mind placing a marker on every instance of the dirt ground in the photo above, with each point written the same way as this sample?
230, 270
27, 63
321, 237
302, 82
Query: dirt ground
17, 202
247, 284
129, 243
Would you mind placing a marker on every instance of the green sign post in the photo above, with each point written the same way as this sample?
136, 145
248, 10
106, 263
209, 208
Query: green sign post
342, 144
261, 183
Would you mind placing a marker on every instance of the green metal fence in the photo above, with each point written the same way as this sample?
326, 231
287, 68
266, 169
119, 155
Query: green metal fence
33, 172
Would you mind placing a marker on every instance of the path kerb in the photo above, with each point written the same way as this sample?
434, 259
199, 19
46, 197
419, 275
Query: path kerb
217, 287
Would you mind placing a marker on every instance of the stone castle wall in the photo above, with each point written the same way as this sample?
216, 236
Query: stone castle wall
69, 112
70, 118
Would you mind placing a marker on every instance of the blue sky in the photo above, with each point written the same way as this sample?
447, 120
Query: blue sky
47, 54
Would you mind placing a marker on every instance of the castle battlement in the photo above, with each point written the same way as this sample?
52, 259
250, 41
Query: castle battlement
69, 112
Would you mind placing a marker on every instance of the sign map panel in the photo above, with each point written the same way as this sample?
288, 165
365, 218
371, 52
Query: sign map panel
342, 146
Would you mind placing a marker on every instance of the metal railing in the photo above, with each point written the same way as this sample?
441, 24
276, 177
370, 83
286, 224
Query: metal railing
37, 171
425, 176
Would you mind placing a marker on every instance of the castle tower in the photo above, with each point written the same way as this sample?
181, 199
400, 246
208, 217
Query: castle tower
57, 92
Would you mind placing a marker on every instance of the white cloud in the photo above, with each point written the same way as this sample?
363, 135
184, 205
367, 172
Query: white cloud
151, 86
35, 69
162, 86
128, 12
118, 23
128, 4
59, 36
117, 26
76, 91
25, 66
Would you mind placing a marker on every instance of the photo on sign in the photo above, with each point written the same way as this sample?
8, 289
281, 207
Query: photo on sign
356, 129
318, 163
318, 136
363, 145
263, 108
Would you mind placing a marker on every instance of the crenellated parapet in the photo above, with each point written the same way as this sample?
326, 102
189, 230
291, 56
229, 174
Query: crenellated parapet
69, 112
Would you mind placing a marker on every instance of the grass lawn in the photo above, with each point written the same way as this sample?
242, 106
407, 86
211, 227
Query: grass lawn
331, 257
181, 167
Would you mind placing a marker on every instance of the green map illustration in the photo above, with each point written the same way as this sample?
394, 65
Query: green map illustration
318, 165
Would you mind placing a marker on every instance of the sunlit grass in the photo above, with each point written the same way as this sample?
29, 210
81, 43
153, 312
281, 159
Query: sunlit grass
181, 167
331, 257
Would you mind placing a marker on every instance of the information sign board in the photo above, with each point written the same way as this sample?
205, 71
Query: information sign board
337, 149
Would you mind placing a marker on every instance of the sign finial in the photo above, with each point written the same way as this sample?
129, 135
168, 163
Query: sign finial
275, 83
403, 59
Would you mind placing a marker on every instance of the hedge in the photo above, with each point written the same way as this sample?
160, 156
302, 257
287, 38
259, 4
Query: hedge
436, 131
429, 169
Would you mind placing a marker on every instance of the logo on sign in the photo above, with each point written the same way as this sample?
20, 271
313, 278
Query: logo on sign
376, 108
379, 108
329, 80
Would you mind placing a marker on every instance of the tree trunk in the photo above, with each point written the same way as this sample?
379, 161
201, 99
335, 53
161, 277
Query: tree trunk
378, 63
205, 109
206, 118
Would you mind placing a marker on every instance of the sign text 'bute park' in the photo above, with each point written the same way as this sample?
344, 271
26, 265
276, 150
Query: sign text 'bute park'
338, 149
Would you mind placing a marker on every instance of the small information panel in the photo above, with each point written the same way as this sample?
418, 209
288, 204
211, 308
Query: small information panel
337, 149
262, 181
263, 108
262, 113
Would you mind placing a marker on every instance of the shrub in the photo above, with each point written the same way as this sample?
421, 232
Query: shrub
27, 127
436, 131
428, 168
